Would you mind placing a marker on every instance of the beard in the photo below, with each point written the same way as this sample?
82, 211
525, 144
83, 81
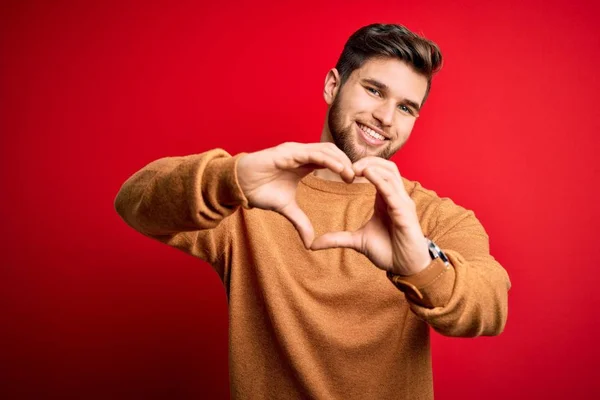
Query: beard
344, 137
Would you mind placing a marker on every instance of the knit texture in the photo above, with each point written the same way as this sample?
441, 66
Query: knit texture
319, 324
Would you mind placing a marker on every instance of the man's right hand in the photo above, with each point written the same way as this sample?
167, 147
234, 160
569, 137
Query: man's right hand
269, 178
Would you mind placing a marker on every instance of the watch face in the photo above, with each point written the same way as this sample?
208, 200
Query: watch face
444, 258
433, 249
435, 252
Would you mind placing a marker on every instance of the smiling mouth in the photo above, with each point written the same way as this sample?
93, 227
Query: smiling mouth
370, 132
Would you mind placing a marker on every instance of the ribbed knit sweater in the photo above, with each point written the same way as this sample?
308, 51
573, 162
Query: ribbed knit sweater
319, 324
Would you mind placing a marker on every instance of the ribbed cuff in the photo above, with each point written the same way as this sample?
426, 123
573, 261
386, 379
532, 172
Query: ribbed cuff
429, 288
224, 171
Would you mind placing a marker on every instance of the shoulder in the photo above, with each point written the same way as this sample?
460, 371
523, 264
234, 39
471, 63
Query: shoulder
435, 212
425, 198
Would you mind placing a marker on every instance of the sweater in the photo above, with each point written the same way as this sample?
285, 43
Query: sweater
319, 324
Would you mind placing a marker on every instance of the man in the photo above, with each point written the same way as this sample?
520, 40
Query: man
335, 266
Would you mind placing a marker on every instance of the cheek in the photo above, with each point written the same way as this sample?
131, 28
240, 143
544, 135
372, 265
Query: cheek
358, 102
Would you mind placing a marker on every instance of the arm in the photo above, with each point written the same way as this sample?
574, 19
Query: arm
182, 201
179, 200
467, 298
470, 297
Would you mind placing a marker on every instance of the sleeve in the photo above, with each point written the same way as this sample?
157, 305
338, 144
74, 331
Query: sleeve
470, 296
181, 201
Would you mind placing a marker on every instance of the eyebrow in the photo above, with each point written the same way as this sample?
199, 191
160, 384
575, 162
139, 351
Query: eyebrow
384, 88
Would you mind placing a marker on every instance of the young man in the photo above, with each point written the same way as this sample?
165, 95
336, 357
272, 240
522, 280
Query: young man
335, 266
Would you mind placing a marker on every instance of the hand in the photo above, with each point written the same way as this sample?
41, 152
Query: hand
392, 239
269, 178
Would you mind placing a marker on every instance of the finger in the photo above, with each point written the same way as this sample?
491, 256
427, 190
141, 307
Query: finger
350, 240
323, 159
348, 173
387, 185
313, 156
375, 174
303, 155
385, 165
300, 221
371, 161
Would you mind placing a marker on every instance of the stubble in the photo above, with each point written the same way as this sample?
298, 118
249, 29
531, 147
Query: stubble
344, 136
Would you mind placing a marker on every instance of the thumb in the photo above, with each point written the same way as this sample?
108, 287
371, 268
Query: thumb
300, 221
330, 240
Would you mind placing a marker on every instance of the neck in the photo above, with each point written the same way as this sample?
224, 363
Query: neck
327, 175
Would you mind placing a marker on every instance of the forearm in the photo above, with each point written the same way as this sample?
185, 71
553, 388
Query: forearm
468, 297
181, 194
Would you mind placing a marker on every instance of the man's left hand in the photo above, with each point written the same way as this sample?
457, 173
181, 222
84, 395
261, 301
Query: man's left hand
392, 239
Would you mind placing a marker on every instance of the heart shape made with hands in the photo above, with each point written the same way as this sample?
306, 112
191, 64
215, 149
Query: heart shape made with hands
392, 238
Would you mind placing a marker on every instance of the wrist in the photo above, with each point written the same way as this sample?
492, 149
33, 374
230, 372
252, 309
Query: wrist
414, 286
419, 260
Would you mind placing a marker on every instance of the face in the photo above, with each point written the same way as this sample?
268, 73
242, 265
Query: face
374, 111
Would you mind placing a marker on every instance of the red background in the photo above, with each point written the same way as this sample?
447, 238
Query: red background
92, 91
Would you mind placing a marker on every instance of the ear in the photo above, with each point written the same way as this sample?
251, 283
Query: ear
332, 85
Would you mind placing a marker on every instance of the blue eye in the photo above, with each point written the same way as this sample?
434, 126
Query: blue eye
373, 91
406, 109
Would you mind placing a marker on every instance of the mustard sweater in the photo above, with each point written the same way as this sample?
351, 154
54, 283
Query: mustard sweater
319, 324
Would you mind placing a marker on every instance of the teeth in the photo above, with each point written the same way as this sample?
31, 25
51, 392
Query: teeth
371, 132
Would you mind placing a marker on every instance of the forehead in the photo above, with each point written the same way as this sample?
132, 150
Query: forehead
399, 77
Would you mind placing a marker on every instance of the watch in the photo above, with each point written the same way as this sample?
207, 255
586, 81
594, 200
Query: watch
408, 285
436, 252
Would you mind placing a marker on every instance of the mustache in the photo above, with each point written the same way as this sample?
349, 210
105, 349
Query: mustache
375, 124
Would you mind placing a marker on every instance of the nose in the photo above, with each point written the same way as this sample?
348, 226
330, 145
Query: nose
385, 113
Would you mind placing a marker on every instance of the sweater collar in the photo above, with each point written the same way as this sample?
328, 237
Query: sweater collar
323, 185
